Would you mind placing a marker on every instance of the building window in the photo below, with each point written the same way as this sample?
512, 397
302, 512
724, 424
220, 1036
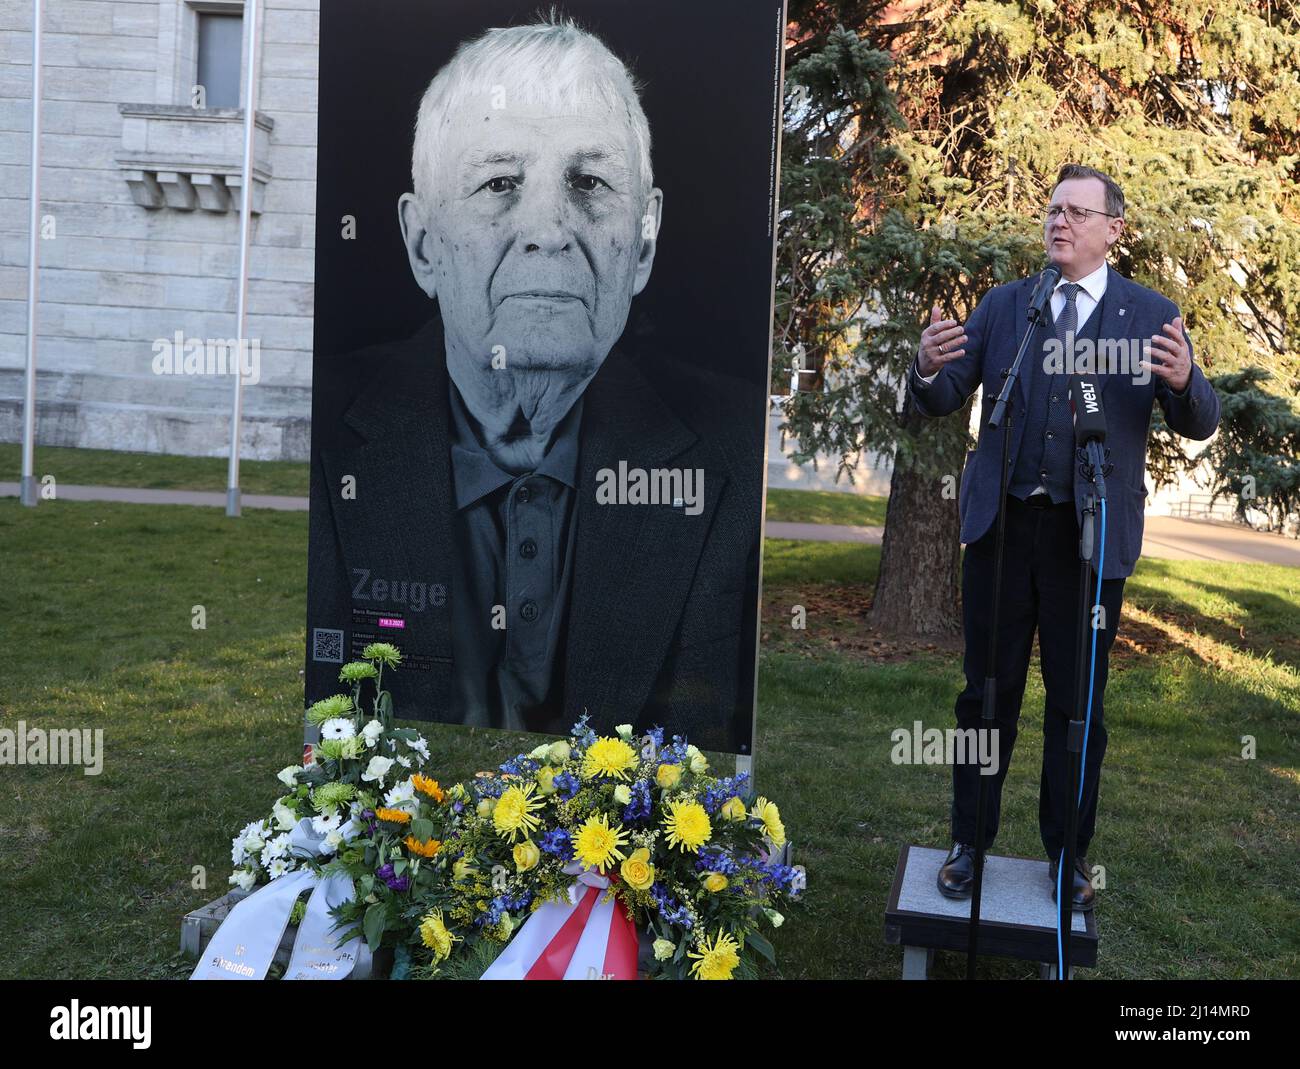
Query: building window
220, 43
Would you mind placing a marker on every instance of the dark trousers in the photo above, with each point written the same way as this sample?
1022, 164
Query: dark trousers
1040, 591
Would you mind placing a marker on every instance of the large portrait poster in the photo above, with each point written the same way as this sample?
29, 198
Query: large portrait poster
544, 265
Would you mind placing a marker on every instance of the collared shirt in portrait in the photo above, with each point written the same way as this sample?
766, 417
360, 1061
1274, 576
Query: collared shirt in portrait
514, 538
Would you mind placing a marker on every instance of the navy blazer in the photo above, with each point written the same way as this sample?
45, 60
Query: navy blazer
1128, 310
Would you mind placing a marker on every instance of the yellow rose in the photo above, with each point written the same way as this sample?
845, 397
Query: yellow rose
486, 806
637, 872
664, 949
526, 855
546, 780
715, 882
734, 809
463, 869
699, 764
668, 776
623, 794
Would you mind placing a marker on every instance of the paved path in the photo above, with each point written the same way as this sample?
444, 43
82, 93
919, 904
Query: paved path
1166, 537
139, 496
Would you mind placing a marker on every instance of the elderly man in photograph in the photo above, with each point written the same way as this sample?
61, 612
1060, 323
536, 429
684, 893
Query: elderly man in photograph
1046, 491
480, 442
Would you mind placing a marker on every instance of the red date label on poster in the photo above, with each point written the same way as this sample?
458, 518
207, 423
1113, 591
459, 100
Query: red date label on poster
392, 621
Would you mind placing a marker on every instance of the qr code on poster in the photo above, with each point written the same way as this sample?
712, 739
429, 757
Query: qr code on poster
326, 645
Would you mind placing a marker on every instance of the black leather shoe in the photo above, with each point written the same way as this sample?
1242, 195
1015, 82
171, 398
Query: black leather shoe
957, 874
1084, 895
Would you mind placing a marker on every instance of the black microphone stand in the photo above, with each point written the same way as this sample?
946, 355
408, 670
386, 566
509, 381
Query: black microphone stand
1092, 469
1001, 417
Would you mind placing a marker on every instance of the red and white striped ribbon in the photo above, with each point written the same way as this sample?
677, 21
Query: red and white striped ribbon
581, 939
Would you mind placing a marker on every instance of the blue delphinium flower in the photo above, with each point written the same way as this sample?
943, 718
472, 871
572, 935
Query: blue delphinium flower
583, 734
522, 765
669, 908
489, 787
780, 876
717, 861
715, 797
504, 904
556, 841
566, 785
637, 811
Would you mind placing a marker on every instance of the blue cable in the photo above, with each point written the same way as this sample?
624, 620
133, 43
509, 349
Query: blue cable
1087, 727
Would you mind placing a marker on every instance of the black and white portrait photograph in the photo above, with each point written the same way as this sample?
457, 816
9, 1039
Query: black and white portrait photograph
542, 333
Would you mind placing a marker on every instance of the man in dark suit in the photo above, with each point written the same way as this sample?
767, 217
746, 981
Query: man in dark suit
1135, 338
545, 525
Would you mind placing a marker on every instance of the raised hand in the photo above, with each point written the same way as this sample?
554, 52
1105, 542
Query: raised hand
1169, 357
941, 342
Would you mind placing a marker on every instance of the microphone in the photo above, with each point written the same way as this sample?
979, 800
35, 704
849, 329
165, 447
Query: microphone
1042, 295
1085, 406
1089, 424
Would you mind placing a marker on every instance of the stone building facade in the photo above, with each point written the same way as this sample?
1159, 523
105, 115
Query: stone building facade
140, 197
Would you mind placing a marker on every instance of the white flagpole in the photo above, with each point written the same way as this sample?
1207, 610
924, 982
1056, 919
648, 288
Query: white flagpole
27, 491
245, 226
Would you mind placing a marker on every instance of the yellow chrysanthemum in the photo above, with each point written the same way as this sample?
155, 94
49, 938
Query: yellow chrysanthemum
688, 826
428, 786
434, 935
768, 813
716, 961
393, 816
597, 844
513, 813
427, 848
608, 757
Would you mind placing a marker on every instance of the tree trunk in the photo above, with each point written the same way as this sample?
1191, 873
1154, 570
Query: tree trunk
917, 589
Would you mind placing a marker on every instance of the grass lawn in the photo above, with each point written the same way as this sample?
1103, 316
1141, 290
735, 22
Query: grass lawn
1200, 846
826, 506
153, 471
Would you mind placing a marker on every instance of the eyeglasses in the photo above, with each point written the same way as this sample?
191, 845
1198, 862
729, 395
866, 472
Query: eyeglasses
1073, 212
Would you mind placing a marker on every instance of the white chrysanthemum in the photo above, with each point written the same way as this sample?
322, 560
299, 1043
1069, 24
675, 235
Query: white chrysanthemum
326, 822
372, 731
289, 775
338, 728
405, 762
237, 851
421, 746
277, 868
331, 842
244, 879
377, 769
402, 797
276, 848
284, 817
